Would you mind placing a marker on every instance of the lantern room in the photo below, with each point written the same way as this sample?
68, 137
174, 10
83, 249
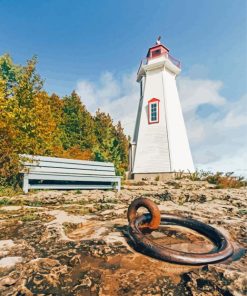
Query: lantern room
156, 51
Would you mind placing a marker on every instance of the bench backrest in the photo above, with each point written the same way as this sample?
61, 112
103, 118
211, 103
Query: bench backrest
50, 165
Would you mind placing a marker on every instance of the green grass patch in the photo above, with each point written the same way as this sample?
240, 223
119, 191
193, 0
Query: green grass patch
35, 203
5, 201
242, 212
10, 191
30, 217
104, 206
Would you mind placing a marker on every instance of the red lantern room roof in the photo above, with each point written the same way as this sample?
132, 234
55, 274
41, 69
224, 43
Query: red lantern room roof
157, 50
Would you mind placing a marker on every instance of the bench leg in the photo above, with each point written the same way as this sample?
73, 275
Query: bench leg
118, 185
25, 183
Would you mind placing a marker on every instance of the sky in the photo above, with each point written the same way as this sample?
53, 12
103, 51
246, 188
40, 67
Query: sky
95, 47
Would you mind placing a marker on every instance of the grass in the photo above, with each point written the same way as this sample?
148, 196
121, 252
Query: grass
5, 201
75, 210
29, 217
179, 175
69, 227
82, 202
10, 191
35, 203
105, 206
242, 212
195, 176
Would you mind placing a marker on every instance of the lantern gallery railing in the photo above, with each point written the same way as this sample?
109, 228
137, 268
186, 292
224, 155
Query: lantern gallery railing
174, 61
167, 55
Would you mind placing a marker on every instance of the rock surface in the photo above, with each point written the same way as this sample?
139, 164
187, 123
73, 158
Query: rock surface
76, 242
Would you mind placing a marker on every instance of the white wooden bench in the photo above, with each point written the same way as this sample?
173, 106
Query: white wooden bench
41, 172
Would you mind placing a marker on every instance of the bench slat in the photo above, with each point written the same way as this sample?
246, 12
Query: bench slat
61, 177
69, 166
69, 171
66, 160
74, 186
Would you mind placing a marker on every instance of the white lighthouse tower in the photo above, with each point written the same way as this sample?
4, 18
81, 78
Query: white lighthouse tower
160, 144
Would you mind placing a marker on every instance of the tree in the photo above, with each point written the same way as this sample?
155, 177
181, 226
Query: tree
78, 125
26, 121
9, 164
9, 73
32, 116
121, 144
112, 143
104, 133
33, 122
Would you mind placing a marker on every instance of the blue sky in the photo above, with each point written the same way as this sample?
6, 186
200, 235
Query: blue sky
95, 47
77, 39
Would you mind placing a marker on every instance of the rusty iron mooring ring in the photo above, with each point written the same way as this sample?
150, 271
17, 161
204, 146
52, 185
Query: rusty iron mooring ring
152, 221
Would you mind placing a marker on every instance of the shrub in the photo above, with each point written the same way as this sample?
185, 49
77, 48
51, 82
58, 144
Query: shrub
226, 180
157, 178
220, 179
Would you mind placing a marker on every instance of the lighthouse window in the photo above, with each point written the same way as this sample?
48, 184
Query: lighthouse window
156, 53
153, 111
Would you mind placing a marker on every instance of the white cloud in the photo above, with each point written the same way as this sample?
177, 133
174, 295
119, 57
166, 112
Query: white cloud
119, 97
218, 140
197, 92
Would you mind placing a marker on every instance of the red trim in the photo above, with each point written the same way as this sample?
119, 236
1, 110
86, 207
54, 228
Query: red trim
153, 100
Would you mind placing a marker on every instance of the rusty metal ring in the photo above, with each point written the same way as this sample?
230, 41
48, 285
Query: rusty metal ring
222, 251
154, 222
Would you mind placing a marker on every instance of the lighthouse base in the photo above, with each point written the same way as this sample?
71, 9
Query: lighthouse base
153, 176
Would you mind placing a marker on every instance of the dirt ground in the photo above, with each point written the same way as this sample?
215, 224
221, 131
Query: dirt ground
77, 243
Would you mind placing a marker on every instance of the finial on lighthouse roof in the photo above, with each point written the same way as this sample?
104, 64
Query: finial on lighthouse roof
158, 40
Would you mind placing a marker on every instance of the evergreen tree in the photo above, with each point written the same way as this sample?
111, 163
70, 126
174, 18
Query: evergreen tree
121, 143
112, 143
77, 125
104, 133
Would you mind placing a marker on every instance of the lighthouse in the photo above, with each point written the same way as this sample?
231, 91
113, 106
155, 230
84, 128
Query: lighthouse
160, 144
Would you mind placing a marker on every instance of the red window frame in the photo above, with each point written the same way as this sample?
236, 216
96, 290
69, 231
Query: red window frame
150, 102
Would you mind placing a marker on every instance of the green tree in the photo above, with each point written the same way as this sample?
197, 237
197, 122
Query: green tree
112, 143
78, 124
9, 73
104, 133
121, 144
